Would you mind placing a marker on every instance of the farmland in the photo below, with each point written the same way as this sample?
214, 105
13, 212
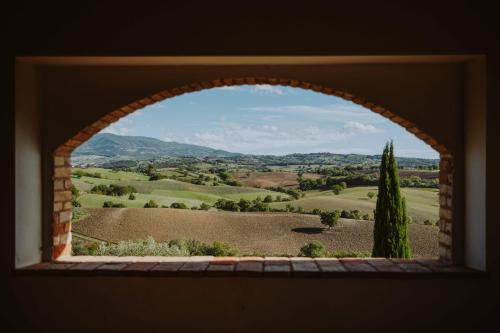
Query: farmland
257, 208
251, 233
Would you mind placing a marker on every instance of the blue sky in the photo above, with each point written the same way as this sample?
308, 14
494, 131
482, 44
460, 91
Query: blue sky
264, 119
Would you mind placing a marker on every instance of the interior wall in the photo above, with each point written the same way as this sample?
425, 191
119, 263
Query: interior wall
37, 303
475, 165
28, 180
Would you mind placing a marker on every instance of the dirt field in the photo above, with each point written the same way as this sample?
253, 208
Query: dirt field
263, 233
268, 179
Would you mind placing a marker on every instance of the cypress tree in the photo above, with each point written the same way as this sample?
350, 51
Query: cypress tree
390, 229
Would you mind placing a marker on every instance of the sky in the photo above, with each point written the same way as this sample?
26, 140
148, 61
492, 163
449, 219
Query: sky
265, 119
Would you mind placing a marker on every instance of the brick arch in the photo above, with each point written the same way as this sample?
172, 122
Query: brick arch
61, 217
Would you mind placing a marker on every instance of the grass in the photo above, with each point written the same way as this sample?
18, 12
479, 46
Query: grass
422, 203
150, 247
114, 175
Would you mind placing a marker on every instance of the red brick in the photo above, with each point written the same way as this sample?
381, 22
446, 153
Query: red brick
220, 269
86, 266
100, 124
194, 266
224, 260
118, 114
304, 267
250, 267
146, 101
168, 266
305, 85
140, 266
130, 108
358, 267
62, 195
59, 184
330, 265
414, 268
112, 266
58, 160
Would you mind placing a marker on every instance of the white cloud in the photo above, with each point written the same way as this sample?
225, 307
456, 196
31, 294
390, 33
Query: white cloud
271, 138
335, 113
118, 129
357, 127
266, 89
231, 88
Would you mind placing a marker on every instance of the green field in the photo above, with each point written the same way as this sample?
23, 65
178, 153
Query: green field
422, 204
164, 191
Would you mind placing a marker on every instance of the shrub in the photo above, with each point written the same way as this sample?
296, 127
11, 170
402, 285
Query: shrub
232, 182
336, 189
351, 214
151, 204
220, 249
204, 206
197, 248
316, 211
74, 197
268, 198
427, 222
355, 214
111, 204
370, 194
179, 205
330, 218
75, 202
131, 196
227, 205
244, 205
367, 217
313, 249
112, 189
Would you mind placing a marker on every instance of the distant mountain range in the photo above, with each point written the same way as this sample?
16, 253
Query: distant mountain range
107, 148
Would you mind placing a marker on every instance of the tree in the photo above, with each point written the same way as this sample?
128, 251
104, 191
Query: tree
268, 198
151, 204
336, 189
390, 229
179, 205
313, 249
370, 195
204, 206
330, 218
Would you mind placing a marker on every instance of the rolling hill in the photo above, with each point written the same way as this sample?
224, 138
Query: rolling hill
105, 147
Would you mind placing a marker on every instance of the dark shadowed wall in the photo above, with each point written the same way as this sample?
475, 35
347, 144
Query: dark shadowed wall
86, 304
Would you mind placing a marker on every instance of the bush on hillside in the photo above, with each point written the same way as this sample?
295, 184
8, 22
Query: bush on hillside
178, 205
151, 204
111, 204
330, 218
313, 249
112, 189
204, 206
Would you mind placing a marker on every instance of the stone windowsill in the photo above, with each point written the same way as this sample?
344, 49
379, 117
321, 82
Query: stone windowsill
246, 266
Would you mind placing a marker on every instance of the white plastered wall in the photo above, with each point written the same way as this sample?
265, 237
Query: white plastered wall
28, 169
